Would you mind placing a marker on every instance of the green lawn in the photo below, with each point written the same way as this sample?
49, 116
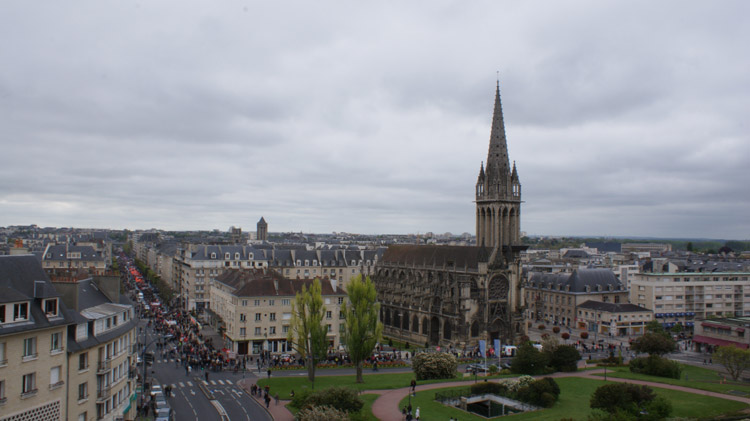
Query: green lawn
283, 385
692, 376
573, 403
366, 412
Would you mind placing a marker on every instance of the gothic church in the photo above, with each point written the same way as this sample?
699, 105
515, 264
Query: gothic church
455, 296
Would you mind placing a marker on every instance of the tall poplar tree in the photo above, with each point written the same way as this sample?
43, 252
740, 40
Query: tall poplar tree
362, 329
307, 333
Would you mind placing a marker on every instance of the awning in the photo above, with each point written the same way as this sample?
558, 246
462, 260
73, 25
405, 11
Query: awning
716, 326
719, 342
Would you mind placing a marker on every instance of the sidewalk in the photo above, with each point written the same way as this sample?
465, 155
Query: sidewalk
277, 412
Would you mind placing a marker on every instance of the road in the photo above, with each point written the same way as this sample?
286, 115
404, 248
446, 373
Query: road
195, 397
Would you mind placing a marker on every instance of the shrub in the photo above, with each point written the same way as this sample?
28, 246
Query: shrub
543, 392
322, 413
584, 335
341, 398
438, 365
493, 369
556, 329
565, 335
655, 365
490, 388
622, 397
541, 327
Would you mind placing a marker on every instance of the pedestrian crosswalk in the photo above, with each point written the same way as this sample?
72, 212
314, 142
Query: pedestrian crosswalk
219, 382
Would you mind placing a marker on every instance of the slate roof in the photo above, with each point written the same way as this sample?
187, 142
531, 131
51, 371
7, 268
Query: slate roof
577, 281
59, 252
612, 307
575, 254
606, 247
259, 283
18, 275
460, 256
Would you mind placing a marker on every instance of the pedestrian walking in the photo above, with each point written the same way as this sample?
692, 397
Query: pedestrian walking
206, 376
416, 414
268, 400
414, 387
269, 373
276, 398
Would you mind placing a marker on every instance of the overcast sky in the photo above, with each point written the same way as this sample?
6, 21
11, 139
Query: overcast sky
624, 118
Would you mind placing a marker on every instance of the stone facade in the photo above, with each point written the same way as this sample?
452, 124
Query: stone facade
455, 296
255, 308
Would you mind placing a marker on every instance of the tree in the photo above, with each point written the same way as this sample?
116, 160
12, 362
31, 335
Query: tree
564, 358
362, 329
654, 344
529, 360
689, 246
734, 359
307, 333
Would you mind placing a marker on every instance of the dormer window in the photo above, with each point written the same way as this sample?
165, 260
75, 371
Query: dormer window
250, 256
50, 307
226, 256
307, 263
315, 263
82, 331
236, 256
213, 255
299, 262
20, 312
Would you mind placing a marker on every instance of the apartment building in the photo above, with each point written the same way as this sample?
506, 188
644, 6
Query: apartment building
729, 331
68, 257
684, 297
255, 307
612, 319
197, 266
33, 336
101, 350
555, 297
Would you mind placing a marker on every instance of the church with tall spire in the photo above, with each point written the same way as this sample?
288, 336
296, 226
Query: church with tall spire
454, 296
498, 193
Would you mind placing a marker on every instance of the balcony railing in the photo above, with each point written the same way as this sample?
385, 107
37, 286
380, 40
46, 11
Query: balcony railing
103, 394
103, 366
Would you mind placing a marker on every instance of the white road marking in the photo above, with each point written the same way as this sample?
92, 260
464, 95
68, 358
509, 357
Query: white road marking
221, 382
190, 384
229, 381
192, 392
181, 384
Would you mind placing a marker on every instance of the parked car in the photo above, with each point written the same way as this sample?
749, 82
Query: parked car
480, 368
164, 414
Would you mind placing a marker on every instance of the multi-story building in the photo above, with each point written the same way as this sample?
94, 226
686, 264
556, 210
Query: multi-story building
456, 296
555, 297
683, 297
101, 345
59, 258
728, 331
196, 266
33, 336
612, 319
255, 307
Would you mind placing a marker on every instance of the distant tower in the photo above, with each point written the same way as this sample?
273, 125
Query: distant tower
262, 234
498, 192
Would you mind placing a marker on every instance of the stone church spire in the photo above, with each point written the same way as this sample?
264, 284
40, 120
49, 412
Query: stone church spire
498, 191
497, 156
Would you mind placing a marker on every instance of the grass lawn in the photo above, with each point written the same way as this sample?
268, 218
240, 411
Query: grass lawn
692, 376
283, 385
573, 403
